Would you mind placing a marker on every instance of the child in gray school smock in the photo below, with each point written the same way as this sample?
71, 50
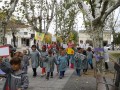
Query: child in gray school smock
62, 63
50, 61
78, 61
43, 57
35, 58
25, 61
16, 79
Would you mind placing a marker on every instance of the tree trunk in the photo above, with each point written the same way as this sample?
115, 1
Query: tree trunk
99, 51
14, 39
1, 34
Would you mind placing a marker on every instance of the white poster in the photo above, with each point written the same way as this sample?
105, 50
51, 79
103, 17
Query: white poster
4, 51
65, 46
54, 39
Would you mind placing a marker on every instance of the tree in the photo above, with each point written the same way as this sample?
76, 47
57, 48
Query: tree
38, 11
112, 24
8, 9
117, 38
66, 14
96, 11
48, 38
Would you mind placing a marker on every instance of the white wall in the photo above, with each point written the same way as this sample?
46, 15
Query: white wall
85, 36
19, 35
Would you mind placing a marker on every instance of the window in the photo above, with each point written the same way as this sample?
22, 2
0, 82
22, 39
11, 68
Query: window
25, 33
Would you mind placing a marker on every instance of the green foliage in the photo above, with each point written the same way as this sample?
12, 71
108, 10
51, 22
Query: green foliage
73, 36
117, 38
2, 15
47, 38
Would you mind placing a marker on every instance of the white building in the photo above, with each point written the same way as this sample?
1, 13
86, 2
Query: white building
85, 37
24, 37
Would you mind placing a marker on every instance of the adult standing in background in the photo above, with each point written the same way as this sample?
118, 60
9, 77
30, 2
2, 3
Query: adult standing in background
106, 57
82, 45
70, 44
71, 53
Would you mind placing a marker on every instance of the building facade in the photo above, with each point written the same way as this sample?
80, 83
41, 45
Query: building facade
24, 37
86, 39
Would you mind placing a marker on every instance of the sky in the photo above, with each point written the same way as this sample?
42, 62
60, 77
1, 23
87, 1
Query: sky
78, 20
80, 26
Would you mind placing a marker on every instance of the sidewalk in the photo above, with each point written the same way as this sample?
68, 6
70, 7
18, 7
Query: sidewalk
84, 82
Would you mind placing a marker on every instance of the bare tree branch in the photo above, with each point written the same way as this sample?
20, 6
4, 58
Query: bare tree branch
85, 9
109, 10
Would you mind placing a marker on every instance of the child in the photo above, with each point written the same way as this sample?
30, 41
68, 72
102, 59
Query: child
25, 61
84, 62
62, 63
44, 54
16, 79
50, 64
34, 55
89, 57
17, 54
78, 60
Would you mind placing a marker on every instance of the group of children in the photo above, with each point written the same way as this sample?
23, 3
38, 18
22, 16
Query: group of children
16, 69
47, 59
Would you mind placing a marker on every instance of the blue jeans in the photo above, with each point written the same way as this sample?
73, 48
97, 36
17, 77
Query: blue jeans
70, 57
78, 72
62, 73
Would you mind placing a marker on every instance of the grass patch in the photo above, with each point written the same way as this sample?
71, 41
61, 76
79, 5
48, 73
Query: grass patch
115, 55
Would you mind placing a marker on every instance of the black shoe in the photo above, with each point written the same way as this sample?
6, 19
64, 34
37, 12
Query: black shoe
34, 76
47, 78
60, 77
51, 76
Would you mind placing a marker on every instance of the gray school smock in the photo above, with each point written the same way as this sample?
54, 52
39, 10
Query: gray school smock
14, 80
78, 61
34, 58
50, 63
62, 63
43, 57
84, 61
89, 54
25, 63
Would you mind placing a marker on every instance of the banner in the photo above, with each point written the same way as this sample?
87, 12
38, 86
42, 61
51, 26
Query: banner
99, 53
1, 72
39, 36
64, 45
